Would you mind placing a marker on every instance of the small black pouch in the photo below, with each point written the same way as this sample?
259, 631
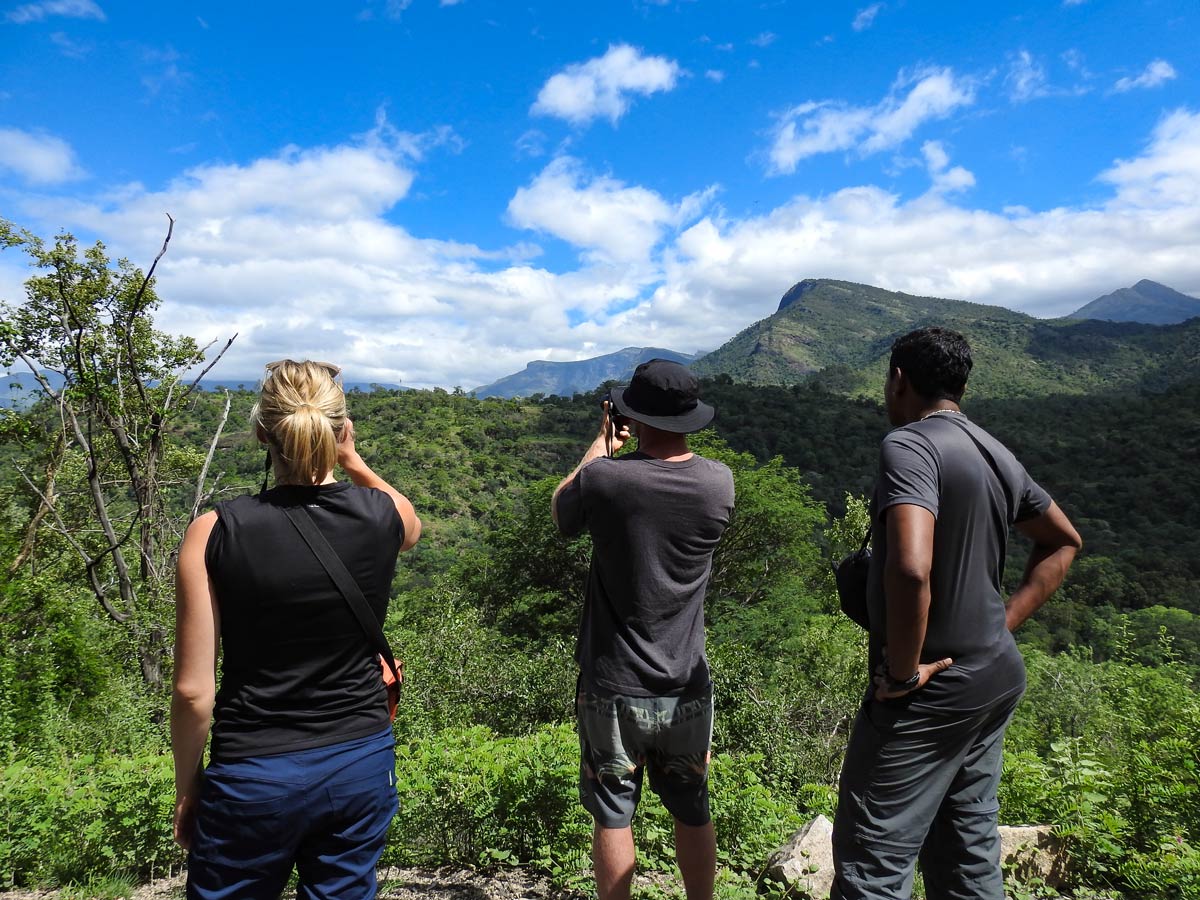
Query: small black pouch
850, 576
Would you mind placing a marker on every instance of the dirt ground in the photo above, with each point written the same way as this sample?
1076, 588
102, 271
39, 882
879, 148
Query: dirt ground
394, 884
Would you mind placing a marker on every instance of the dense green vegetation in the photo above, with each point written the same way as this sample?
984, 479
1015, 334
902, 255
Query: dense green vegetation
1106, 745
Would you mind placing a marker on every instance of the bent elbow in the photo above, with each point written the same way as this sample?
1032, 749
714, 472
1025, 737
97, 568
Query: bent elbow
412, 535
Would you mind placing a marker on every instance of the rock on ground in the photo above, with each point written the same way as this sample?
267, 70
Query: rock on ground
1032, 851
806, 861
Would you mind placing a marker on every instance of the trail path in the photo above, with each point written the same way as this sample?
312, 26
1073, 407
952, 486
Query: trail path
394, 884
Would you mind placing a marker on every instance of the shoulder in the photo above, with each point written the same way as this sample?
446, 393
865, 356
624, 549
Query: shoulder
196, 538
714, 468
910, 446
202, 525
914, 437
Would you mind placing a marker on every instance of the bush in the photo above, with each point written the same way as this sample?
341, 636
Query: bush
86, 818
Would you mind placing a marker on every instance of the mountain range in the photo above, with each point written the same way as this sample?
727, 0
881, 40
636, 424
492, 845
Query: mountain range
1147, 301
839, 334
568, 378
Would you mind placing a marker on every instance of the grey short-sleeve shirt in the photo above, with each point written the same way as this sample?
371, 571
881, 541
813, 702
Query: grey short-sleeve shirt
934, 464
654, 527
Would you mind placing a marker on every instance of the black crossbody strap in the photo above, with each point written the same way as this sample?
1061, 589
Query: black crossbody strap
344, 581
991, 461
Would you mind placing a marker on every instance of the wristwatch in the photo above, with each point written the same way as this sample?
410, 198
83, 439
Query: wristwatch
895, 685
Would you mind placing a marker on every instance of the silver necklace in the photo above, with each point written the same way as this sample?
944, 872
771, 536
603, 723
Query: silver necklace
938, 412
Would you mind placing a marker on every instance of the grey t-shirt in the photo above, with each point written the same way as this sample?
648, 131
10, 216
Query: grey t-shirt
934, 464
654, 527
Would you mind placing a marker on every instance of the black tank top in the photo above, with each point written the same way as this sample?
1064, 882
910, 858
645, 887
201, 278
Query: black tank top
296, 669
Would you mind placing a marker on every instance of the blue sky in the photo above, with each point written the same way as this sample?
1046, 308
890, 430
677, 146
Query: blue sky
437, 192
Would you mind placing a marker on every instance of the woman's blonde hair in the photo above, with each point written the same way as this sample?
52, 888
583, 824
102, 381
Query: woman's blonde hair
301, 412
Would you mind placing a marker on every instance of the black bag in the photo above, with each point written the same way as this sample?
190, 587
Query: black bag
851, 578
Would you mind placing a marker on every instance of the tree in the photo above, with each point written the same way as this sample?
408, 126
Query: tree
110, 385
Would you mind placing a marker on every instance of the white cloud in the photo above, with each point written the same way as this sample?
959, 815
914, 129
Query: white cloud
603, 86
299, 254
615, 223
866, 17
715, 75
37, 158
68, 47
765, 39
1157, 73
531, 144
826, 126
70, 9
1026, 78
945, 179
1168, 173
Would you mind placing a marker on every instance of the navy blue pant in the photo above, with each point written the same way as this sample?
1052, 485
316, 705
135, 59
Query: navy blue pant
917, 784
325, 810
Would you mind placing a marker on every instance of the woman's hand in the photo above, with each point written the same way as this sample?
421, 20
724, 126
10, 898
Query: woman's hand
185, 815
345, 447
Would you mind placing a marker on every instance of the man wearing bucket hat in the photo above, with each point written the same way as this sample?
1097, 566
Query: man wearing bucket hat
644, 702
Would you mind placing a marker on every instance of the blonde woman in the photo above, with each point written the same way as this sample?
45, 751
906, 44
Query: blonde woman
301, 767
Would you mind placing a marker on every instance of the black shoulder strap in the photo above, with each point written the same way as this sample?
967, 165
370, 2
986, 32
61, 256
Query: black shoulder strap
344, 581
991, 461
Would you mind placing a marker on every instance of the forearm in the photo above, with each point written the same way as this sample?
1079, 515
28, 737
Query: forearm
1045, 571
363, 475
190, 719
907, 599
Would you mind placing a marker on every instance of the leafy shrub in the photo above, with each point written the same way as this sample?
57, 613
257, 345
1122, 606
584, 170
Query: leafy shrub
86, 818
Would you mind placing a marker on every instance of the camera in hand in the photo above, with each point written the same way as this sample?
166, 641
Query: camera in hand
619, 421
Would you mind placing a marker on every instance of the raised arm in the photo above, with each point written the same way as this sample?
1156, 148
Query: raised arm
363, 476
197, 636
1055, 543
599, 447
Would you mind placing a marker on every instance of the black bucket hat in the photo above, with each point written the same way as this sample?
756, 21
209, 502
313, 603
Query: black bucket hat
664, 395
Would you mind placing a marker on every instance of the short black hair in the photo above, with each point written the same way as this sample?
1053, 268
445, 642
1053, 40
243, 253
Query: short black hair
935, 360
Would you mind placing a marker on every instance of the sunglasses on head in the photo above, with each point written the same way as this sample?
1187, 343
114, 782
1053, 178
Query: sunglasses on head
334, 371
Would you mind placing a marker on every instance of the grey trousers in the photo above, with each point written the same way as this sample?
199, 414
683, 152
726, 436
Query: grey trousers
915, 784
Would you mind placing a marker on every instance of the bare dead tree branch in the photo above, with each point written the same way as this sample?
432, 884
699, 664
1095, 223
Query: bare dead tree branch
212, 449
191, 387
136, 307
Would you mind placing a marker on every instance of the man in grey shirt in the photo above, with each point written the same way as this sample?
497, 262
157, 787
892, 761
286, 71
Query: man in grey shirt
644, 701
923, 765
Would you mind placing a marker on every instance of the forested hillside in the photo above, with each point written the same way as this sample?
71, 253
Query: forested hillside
1106, 745
839, 334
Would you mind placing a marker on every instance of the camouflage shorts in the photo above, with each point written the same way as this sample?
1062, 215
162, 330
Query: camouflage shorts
620, 737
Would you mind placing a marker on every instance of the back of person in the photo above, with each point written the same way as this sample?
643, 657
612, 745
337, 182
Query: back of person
923, 764
654, 525
937, 463
302, 768
644, 700
294, 671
